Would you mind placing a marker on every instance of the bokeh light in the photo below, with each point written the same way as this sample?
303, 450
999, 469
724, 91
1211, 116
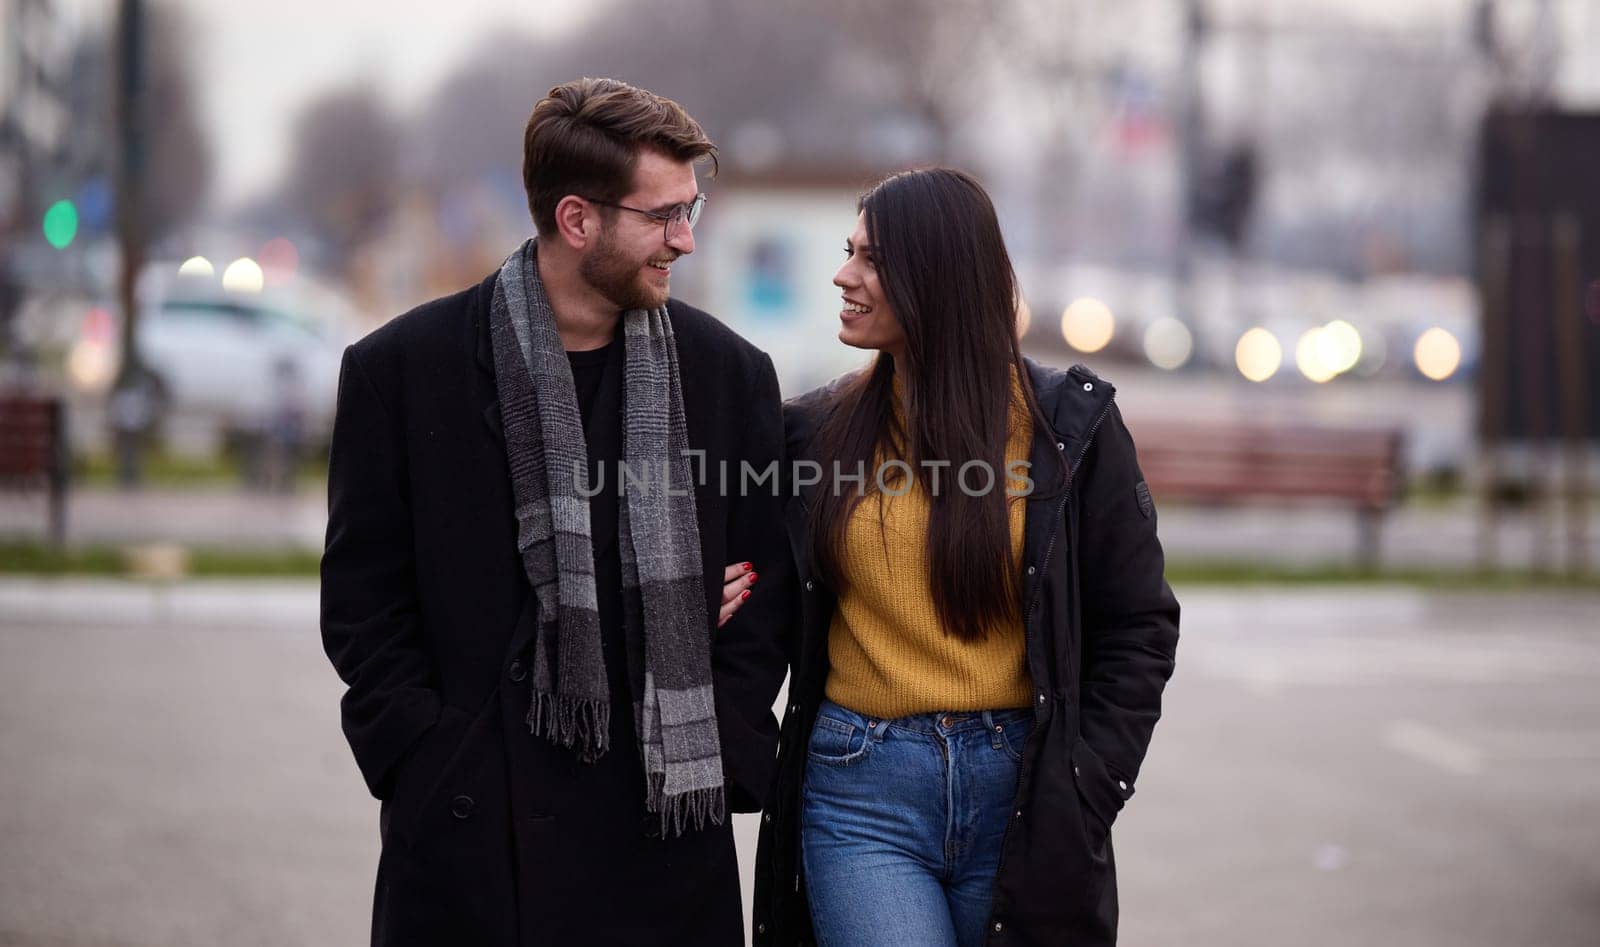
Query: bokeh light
1315, 355
61, 224
1343, 343
243, 276
1258, 354
1088, 325
1437, 354
197, 267
1168, 343
279, 260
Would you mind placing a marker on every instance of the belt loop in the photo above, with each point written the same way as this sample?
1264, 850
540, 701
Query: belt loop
995, 734
876, 728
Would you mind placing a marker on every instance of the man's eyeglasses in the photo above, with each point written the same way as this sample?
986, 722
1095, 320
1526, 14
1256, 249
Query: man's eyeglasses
671, 220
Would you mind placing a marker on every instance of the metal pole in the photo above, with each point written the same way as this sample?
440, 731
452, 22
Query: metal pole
131, 405
1189, 133
1566, 245
1495, 255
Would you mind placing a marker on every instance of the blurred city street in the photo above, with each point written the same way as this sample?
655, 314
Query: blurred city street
1355, 766
1340, 260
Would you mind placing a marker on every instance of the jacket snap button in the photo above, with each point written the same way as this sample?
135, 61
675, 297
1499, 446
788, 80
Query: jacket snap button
1041, 698
1088, 386
809, 585
761, 928
1032, 570
461, 807
767, 817
518, 672
1122, 785
998, 926
1061, 445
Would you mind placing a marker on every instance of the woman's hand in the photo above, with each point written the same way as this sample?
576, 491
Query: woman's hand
736, 582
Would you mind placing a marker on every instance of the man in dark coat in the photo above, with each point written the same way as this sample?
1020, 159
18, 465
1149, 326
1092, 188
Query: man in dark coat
1102, 634
560, 712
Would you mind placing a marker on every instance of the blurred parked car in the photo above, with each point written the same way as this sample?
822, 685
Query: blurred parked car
243, 363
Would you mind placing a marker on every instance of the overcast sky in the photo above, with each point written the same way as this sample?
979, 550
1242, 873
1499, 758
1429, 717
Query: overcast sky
259, 61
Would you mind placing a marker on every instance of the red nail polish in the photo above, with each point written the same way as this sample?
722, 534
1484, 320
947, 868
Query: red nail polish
753, 577
748, 567
744, 595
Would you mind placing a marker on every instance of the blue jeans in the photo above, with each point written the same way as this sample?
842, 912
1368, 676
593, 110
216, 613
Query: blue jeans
902, 822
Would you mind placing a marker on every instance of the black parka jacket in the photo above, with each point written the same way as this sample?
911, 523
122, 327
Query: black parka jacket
1102, 630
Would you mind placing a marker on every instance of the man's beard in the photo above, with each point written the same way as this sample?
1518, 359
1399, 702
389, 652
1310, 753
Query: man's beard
613, 275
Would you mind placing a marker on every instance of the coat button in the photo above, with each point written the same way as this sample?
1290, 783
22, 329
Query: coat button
766, 817
1122, 785
517, 671
810, 585
761, 928
461, 807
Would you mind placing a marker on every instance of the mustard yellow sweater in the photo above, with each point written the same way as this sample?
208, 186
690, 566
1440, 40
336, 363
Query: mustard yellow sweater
891, 656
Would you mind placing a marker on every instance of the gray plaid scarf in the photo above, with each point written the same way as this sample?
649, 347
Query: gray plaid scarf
663, 595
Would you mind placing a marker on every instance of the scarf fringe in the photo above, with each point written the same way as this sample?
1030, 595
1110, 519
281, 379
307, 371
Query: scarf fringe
576, 723
677, 812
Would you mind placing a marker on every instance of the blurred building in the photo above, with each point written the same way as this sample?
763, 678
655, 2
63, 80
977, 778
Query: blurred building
765, 255
35, 52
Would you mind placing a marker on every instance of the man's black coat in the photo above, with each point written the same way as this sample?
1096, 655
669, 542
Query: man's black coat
493, 836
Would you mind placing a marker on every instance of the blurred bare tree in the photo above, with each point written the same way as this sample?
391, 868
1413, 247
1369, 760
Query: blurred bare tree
180, 166
928, 57
342, 179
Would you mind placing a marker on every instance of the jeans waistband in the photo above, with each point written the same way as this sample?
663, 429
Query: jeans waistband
948, 721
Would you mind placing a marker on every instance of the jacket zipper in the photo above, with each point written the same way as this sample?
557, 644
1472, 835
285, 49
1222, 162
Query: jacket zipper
1027, 621
1066, 495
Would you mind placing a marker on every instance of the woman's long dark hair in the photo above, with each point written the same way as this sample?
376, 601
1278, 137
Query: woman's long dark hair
944, 269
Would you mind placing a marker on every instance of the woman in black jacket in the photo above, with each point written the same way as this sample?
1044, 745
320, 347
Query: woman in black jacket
986, 630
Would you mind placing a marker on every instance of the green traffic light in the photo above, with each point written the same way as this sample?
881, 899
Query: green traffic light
61, 224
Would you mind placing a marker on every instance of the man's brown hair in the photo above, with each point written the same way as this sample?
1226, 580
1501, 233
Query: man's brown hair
584, 138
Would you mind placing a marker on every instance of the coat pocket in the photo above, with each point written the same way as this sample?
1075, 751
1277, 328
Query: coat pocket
424, 765
1102, 796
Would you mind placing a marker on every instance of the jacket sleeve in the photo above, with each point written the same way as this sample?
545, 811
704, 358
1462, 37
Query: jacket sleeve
370, 616
1129, 614
749, 653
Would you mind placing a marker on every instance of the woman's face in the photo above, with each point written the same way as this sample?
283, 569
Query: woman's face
866, 321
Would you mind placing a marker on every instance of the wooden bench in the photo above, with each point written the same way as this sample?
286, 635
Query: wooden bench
1228, 463
33, 452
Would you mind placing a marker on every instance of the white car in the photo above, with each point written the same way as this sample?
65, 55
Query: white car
238, 362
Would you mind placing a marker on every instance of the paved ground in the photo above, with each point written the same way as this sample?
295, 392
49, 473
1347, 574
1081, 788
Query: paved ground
1367, 767
1414, 536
